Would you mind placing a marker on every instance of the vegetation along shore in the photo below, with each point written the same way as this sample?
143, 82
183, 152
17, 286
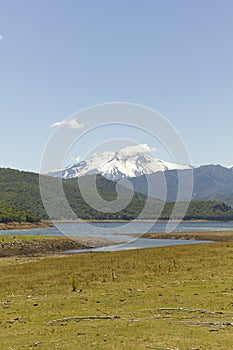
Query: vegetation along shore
225, 236
24, 225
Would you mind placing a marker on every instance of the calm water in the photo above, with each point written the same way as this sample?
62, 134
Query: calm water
121, 232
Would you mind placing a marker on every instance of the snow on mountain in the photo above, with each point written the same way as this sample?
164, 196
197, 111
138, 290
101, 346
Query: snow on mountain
131, 161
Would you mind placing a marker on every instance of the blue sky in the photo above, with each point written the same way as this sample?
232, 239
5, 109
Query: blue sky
57, 57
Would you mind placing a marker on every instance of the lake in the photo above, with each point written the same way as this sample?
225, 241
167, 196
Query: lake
122, 232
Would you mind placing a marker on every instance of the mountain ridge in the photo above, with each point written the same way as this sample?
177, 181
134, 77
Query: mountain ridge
129, 162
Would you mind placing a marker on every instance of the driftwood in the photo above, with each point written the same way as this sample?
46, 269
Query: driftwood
81, 318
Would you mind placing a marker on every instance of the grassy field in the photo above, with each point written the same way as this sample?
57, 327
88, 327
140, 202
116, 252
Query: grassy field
162, 298
217, 236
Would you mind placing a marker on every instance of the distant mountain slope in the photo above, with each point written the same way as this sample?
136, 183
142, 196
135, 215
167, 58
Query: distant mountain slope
211, 182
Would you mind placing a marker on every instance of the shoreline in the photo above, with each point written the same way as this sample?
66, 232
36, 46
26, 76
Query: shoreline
216, 236
35, 246
79, 221
24, 225
28, 246
46, 223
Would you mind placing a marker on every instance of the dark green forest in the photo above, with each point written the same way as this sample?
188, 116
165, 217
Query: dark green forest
20, 200
10, 214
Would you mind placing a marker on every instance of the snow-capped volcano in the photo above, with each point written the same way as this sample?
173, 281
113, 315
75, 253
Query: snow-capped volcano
131, 161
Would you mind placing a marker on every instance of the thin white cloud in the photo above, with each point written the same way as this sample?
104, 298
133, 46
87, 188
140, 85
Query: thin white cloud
72, 123
135, 150
125, 152
77, 159
1, 37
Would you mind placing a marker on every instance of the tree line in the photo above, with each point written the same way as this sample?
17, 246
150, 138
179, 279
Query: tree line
20, 200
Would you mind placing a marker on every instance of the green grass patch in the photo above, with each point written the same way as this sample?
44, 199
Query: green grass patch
12, 237
164, 298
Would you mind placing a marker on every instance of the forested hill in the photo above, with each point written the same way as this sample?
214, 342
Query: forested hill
20, 190
10, 214
201, 210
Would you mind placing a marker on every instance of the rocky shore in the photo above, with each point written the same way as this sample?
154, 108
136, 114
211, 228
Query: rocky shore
29, 247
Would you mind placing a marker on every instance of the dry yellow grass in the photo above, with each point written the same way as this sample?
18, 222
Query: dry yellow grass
164, 298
